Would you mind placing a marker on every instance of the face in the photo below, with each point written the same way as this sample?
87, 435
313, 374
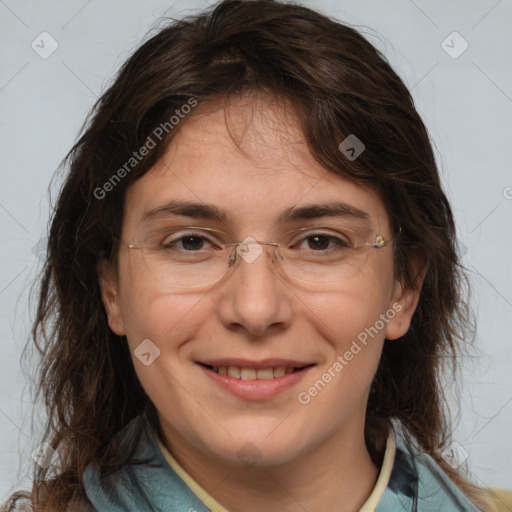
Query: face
253, 319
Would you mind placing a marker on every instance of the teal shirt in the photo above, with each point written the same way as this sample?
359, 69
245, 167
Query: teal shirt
416, 484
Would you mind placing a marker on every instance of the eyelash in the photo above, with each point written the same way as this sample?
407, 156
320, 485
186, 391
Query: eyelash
340, 243
337, 240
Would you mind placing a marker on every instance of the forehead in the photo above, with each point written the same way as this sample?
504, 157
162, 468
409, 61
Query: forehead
250, 158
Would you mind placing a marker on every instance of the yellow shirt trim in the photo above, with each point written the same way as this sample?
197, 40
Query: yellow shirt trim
501, 499
205, 497
214, 506
384, 475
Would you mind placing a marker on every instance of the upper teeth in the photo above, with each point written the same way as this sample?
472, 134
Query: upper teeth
253, 373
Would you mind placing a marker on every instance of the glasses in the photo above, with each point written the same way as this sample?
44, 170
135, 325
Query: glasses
195, 257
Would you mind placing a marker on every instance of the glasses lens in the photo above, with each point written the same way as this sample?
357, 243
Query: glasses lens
185, 258
321, 256
320, 272
195, 257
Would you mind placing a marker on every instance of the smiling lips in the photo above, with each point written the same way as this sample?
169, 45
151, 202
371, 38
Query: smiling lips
253, 373
255, 380
245, 369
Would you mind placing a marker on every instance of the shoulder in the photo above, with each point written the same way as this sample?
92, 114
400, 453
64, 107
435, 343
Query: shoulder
501, 499
417, 479
147, 483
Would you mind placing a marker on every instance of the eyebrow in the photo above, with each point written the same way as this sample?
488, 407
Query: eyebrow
185, 209
314, 211
205, 211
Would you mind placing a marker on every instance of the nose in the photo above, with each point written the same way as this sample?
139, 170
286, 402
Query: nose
255, 297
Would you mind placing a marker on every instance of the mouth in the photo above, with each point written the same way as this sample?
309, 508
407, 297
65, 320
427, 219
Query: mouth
255, 373
252, 380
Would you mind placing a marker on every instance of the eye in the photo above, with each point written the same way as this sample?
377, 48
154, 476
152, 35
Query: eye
322, 242
186, 241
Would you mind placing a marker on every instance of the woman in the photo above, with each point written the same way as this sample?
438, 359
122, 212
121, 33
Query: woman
251, 288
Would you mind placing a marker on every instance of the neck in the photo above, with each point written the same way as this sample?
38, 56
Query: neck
337, 475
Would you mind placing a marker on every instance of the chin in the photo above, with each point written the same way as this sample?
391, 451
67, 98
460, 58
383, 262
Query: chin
258, 449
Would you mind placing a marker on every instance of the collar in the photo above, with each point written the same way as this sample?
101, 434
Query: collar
215, 506
415, 483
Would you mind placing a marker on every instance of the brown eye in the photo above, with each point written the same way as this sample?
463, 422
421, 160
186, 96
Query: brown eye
318, 242
192, 243
187, 242
322, 242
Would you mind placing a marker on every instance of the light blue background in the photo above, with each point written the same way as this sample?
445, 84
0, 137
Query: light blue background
465, 102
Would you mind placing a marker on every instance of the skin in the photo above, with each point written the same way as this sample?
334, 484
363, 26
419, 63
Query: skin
311, 457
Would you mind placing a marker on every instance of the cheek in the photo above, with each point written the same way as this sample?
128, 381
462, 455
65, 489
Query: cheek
149, 309
350, 322
353, 322
346, 315
161, 324
162, 317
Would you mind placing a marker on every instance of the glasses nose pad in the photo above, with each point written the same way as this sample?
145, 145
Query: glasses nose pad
232, 257
277, 255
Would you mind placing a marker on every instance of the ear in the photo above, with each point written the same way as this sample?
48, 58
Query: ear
110, 298
405, 300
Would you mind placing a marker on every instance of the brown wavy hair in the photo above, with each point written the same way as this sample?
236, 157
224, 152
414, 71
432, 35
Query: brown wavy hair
338, 84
